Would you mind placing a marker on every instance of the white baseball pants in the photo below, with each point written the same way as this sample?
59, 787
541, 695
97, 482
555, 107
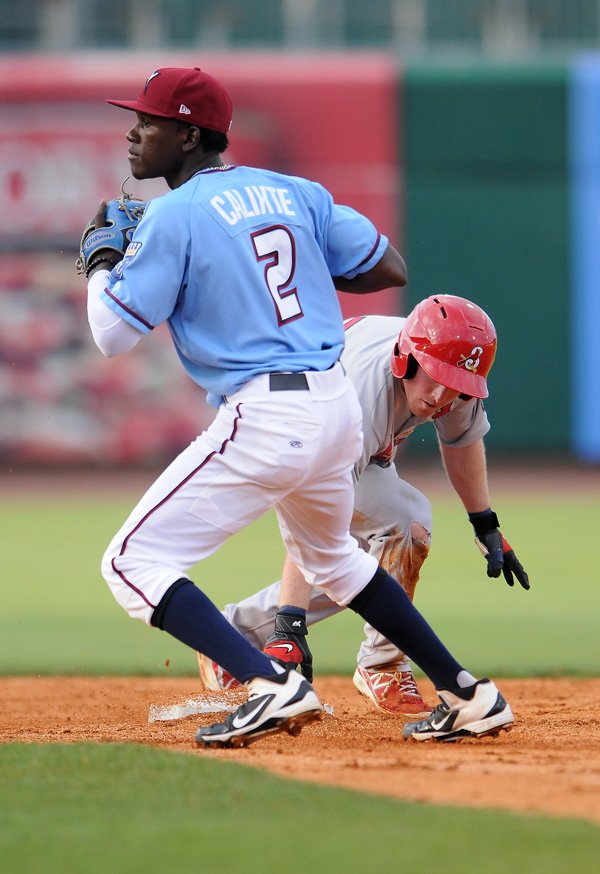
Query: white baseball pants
384, 509
291, 450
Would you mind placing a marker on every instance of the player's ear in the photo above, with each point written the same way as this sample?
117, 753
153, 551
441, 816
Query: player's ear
192, 138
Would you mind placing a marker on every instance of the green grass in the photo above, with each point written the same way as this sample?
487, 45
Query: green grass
59, 617
125, 809
111, 808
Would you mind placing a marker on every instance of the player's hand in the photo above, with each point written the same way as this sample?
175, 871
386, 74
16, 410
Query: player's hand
109, 260
100, 217
106, 237
288, 642
497, 551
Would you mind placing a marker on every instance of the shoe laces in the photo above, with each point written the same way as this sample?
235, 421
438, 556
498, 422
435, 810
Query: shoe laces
407, 683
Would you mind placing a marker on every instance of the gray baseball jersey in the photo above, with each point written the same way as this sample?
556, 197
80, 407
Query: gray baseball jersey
384, 503
369, 344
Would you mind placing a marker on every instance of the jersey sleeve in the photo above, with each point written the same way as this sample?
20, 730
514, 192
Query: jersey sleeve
349, 240
143, 288
463, 424
353, 243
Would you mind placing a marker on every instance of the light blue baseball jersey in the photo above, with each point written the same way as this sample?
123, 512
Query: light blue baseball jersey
239, 262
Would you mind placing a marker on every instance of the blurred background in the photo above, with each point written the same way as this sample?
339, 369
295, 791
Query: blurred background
468, 130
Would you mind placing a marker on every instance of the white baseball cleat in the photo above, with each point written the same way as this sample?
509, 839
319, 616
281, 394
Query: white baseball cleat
283, 702
476, 711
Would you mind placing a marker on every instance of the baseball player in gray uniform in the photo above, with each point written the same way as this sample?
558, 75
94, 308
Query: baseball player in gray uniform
392, 519
243, 264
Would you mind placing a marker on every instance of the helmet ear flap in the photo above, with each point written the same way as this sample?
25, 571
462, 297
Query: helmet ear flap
398, 362
404, 364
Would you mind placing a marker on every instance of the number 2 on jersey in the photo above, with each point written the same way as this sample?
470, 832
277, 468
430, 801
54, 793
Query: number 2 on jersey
276, 247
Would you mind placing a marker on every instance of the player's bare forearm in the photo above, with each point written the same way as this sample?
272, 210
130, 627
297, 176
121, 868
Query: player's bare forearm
294, 589
467, 471
389, 272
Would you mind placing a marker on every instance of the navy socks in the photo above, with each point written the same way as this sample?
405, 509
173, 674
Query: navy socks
384, 604
188, 615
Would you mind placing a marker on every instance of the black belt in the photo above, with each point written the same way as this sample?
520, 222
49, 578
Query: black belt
288, 382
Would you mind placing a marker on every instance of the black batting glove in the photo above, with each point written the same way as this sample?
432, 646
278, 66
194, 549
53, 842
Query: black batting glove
288, 642
497, 551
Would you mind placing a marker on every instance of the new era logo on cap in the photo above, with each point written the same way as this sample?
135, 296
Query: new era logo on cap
171, 92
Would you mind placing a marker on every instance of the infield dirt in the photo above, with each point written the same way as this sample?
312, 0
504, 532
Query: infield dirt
549, 763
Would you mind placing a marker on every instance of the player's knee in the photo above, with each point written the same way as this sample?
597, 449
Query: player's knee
128, 596
107, 567
421, 513
112, 578
419, 533
416, 548
404, 554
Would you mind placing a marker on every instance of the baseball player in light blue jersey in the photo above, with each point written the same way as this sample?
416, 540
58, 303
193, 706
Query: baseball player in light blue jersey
225, 231
243, 265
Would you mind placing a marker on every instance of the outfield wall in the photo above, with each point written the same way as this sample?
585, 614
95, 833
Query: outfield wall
487, 218
502, 169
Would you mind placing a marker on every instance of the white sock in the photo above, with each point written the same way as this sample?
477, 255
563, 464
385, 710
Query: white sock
465, 679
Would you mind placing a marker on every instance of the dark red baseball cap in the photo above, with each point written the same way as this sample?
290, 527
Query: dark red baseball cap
184, 93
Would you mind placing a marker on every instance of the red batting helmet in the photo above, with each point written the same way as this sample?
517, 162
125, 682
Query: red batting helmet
452, 339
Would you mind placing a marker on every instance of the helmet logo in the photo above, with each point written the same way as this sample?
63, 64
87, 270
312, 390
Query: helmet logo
471, 361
